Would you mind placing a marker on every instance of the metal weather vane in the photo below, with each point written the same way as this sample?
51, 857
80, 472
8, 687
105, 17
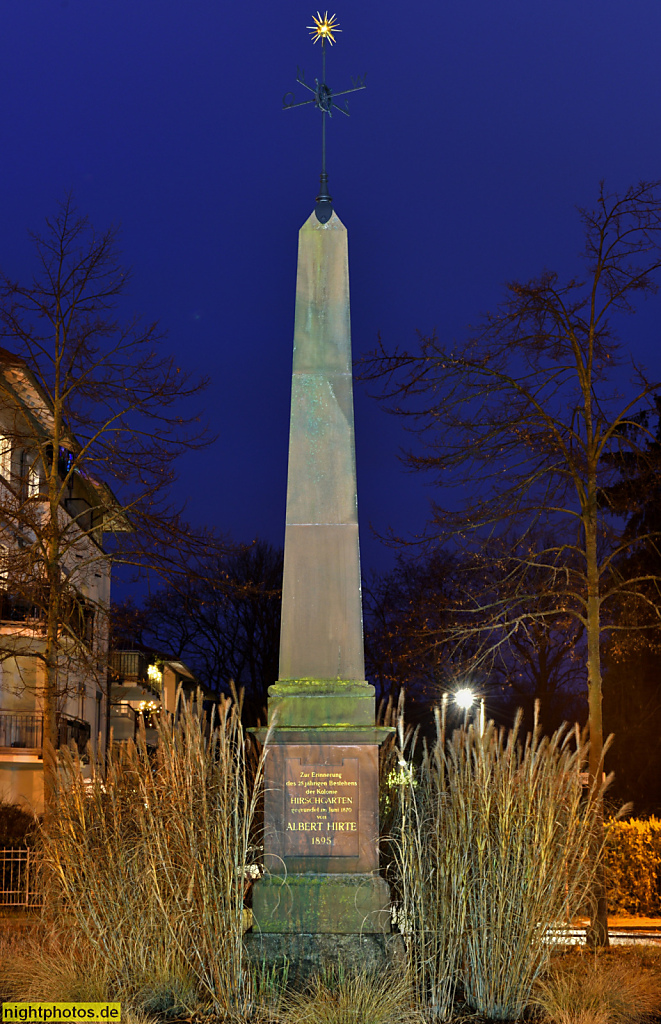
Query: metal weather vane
324, 99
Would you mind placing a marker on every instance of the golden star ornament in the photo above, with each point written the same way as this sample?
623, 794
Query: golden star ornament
324, 28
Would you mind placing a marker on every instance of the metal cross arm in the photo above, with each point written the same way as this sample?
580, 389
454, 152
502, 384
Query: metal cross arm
324, 97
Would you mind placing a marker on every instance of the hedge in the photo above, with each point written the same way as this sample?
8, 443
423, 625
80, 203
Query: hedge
633, 867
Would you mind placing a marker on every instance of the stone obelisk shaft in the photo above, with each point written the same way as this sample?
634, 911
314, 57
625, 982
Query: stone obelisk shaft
322, 629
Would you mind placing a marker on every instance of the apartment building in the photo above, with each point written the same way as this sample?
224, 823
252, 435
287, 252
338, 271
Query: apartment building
144, 686
86, 512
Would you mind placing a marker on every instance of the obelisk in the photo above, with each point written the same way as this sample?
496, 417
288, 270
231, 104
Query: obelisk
322, 895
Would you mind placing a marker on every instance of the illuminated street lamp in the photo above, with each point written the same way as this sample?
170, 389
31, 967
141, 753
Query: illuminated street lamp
465, 698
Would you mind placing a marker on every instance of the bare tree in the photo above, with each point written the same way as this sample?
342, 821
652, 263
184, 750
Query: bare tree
92, 425
632, 693
531, 418
412, 612
222, 617
407, 613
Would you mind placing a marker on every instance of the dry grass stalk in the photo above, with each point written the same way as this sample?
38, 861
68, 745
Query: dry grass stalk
51, 965
599, 990
429, 880
269, 984
149, 862
337, 996
492, 847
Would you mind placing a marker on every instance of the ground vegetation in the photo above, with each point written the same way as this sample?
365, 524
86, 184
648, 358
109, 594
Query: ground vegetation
151, 864
150, 869
492, 837
633, 866
610, 989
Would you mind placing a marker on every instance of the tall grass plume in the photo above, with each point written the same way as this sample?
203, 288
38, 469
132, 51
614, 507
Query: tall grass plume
493, 844
598, 990
149, 861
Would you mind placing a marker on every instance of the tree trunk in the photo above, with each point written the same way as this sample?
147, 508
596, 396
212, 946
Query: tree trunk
52, 574
597, 935
50, 705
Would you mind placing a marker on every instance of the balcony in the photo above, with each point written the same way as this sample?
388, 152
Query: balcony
126, 721
29, 608
20, 608
22, 731
125, 665
73, 730
133, 676
123, 722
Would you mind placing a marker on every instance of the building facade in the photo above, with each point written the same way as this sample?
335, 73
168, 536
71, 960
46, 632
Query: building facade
143, 688
85, 513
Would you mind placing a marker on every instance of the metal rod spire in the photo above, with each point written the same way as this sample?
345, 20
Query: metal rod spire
323, 112
323, 98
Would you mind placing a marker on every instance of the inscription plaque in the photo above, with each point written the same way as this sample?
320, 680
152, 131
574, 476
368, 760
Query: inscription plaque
321, 809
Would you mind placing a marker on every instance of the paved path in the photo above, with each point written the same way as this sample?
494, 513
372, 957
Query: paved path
623, 931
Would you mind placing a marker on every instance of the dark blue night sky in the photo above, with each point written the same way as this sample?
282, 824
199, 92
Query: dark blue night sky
482, 127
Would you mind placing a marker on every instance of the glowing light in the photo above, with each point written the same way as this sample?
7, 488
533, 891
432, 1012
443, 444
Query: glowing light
404, 775
323, 28
464, 698
154, 674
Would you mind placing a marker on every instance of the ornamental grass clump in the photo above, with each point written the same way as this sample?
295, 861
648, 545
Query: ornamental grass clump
339, 996
494, 844
148, 862
57, 967
598, 990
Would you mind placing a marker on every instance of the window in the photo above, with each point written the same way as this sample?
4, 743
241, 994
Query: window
78, 614
88, 624
64, 462
65, 459
34, 481
5, 456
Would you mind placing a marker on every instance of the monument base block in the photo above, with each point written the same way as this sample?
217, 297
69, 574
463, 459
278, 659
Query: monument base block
310, 703
322, 903
306, 954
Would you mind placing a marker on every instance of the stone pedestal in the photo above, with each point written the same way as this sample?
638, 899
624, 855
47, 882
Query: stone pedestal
301, 954
322, 900
321, 832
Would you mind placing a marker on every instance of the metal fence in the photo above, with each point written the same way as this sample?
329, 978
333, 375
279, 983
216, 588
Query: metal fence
23, 730
73, 730
19, 870
20, 729
128, 664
